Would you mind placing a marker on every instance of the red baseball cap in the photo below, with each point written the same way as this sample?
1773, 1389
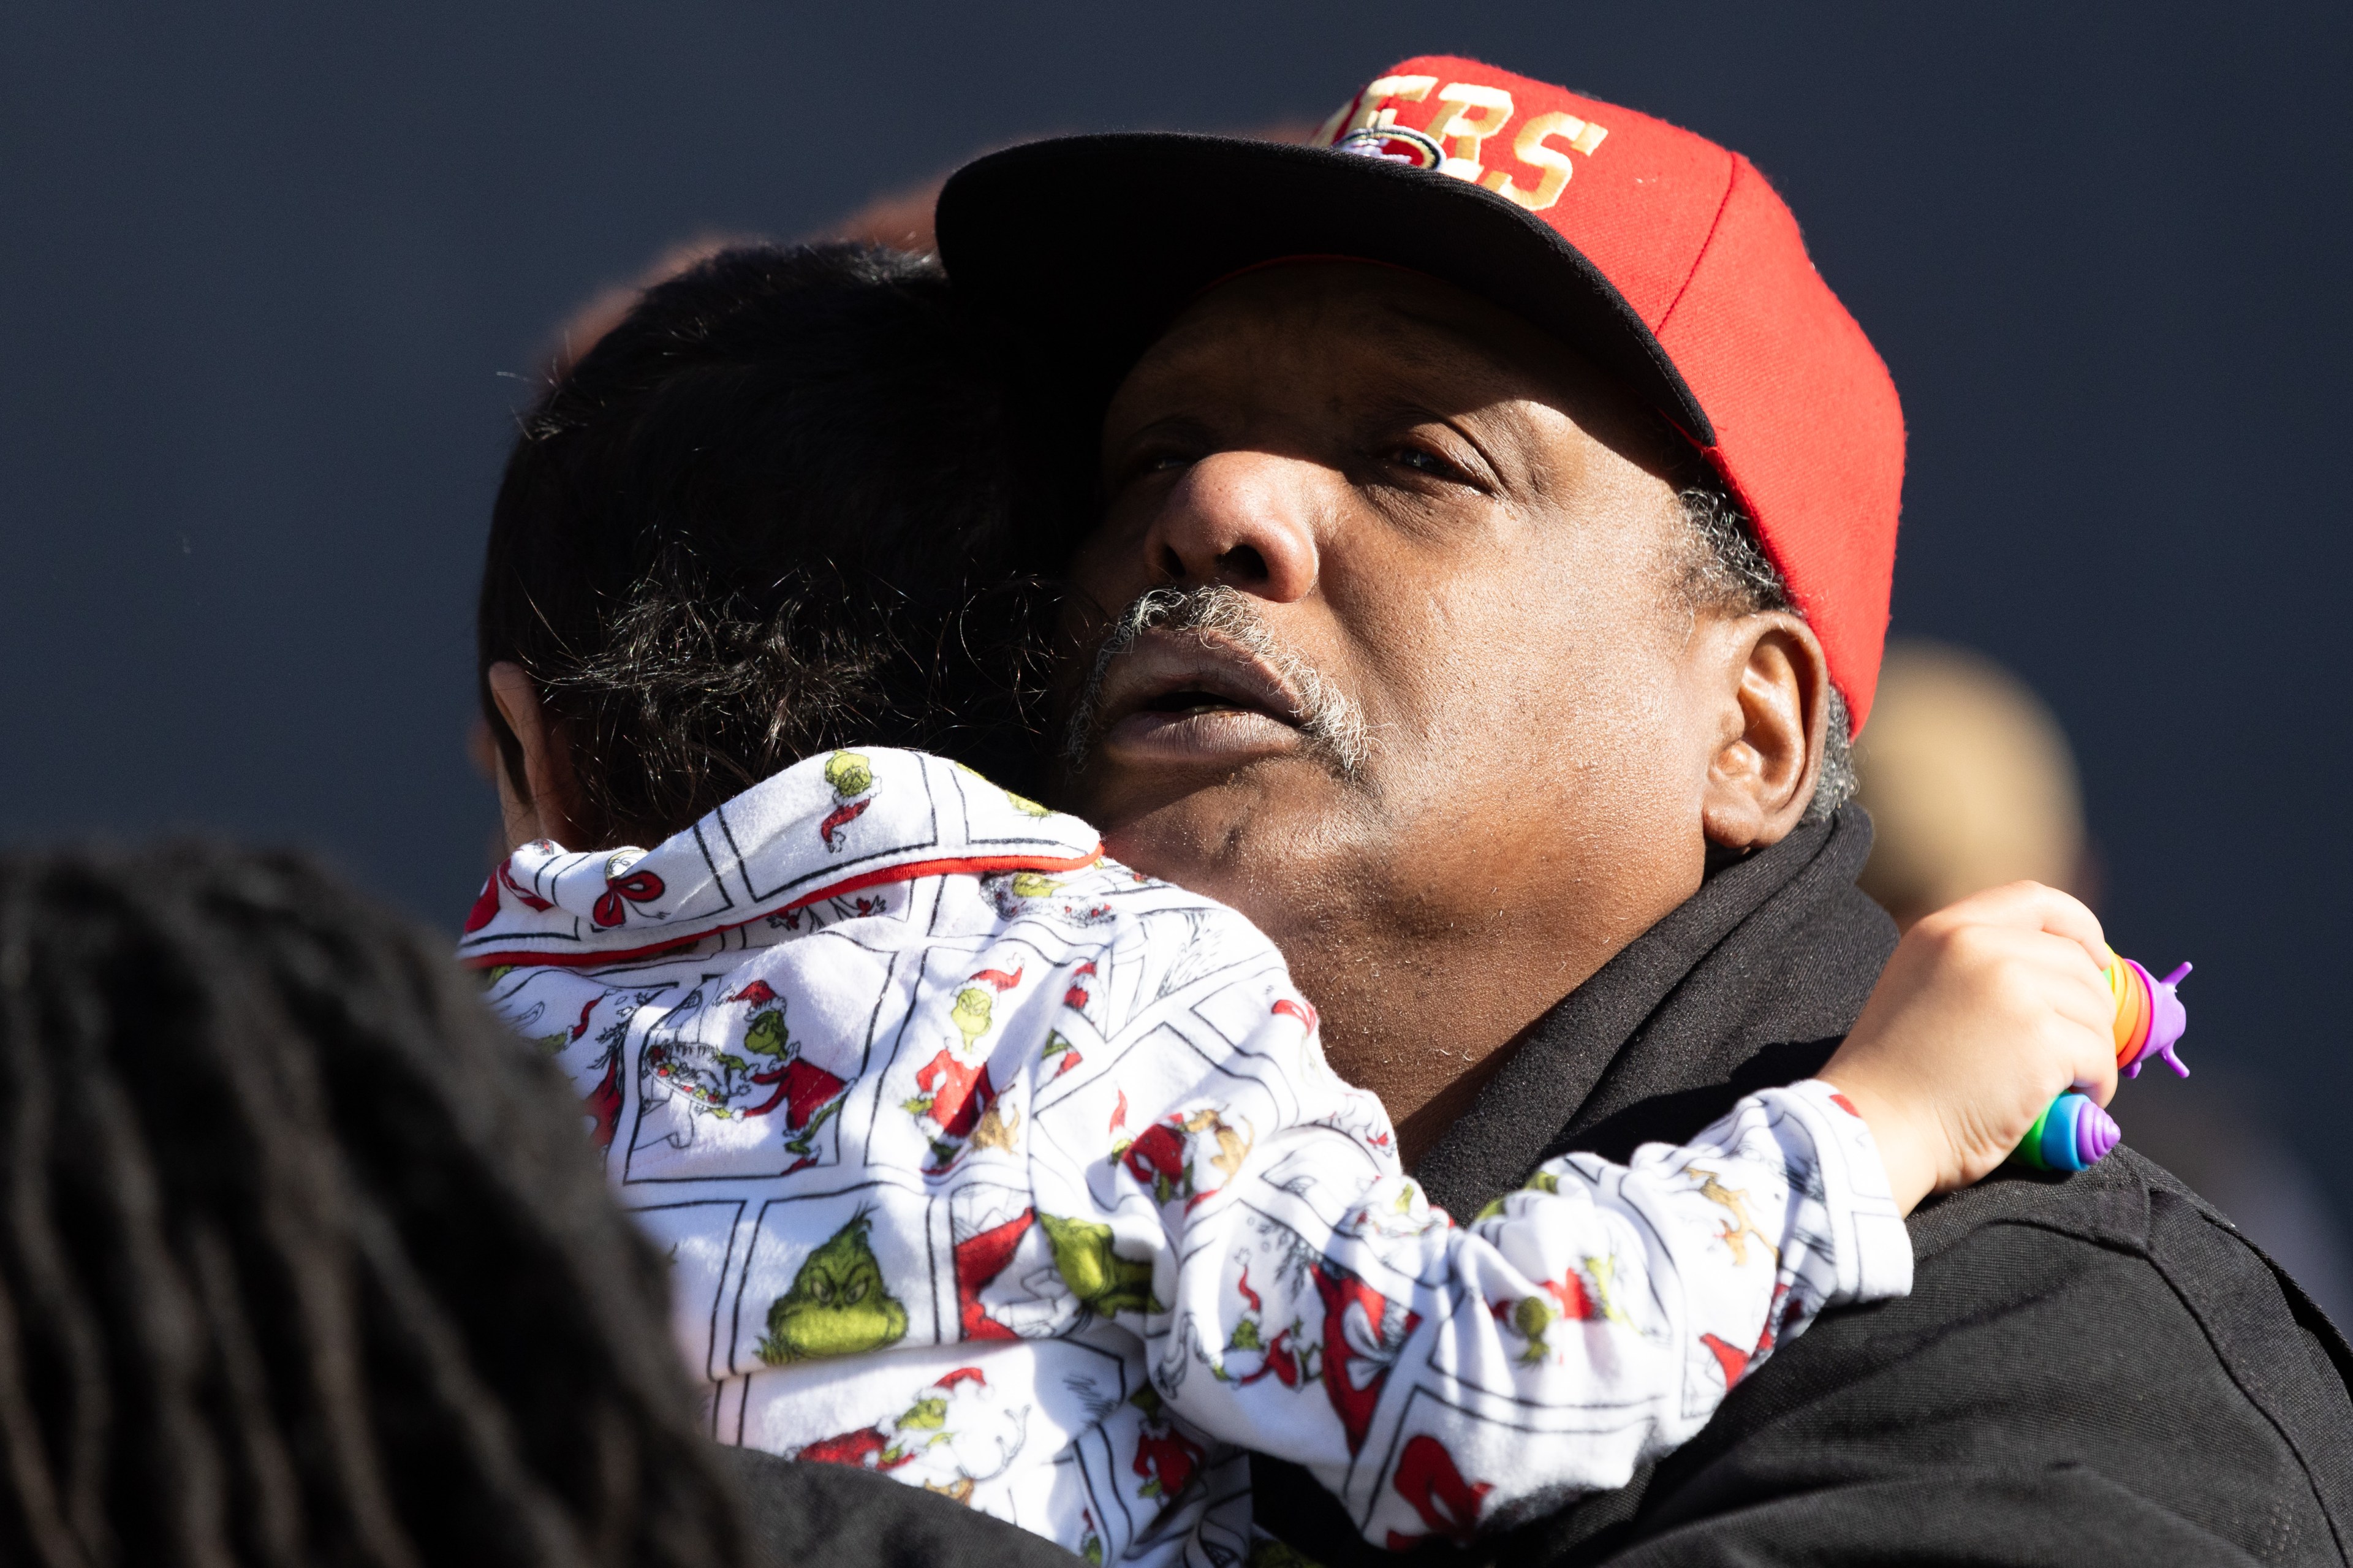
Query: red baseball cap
1660, 256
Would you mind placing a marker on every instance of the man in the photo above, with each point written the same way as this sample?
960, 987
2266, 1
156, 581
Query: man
1435, 636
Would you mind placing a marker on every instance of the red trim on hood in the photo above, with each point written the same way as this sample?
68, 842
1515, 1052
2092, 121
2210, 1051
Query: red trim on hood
881, 877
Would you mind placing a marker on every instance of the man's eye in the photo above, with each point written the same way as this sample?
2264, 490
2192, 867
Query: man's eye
1152, 465
1422, 461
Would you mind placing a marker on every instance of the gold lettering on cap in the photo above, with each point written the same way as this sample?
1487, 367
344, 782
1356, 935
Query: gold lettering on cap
1373, 110
1529, 147
1466, 129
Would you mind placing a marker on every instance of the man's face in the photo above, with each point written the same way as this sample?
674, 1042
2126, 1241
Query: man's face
1452, 683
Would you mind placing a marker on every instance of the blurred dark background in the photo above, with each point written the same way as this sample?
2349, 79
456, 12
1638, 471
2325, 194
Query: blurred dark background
274, 280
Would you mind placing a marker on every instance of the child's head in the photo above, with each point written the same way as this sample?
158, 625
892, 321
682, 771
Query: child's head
780, 507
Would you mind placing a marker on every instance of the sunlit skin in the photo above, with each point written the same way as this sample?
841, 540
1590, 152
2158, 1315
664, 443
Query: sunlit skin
1465, 528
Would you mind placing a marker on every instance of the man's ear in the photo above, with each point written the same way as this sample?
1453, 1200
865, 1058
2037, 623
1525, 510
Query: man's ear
1770, 746
549, 805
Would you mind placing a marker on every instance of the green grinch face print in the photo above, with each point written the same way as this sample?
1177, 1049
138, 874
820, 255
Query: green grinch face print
1531, 1317
838, 1305
970, 1015
849, 773
1105, 1283
767, 1034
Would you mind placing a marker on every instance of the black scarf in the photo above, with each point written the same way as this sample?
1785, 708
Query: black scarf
1751, 982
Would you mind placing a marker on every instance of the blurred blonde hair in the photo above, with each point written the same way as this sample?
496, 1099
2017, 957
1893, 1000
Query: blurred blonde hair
1969, 782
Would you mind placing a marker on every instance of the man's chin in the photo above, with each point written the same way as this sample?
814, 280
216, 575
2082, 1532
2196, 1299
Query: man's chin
1214, 859
1237, 834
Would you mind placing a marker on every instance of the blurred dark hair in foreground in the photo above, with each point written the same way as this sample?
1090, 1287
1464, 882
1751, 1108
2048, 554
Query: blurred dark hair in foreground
302, 1258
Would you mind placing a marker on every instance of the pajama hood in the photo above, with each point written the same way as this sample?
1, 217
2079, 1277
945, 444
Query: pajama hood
828, 827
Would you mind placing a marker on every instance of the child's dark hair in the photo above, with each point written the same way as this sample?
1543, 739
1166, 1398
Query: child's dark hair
303, 1259
784, 505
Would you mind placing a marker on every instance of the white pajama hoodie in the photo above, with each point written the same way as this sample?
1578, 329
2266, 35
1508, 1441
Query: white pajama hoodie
994, 1166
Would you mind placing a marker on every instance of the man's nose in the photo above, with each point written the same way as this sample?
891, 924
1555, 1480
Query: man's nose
1243, 519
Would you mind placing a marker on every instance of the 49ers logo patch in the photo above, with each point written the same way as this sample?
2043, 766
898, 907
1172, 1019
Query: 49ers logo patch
1393, 145
1459, 119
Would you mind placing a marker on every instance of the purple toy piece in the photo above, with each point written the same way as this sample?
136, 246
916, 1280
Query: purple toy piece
2168, 1021
2096, 1132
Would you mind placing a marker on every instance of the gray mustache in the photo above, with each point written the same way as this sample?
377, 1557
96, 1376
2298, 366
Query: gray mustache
1331, 720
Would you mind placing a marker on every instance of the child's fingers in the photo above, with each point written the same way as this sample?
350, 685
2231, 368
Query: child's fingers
2029, 969
2075, 1000
2041, 982
2096, 1063
2033, 907
2070, 917
2045, 974
2077, 991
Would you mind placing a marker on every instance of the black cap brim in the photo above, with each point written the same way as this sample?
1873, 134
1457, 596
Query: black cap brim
1095, 243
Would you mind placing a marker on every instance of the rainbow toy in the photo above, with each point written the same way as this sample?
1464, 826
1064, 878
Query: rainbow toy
2150, 1021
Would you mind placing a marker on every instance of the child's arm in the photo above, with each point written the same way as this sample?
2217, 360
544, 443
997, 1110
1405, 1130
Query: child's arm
1440, 1379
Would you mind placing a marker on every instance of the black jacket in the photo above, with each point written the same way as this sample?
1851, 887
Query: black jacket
2090, 1369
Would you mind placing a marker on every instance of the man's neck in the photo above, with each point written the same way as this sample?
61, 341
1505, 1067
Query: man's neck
1424, 1018
1750, 981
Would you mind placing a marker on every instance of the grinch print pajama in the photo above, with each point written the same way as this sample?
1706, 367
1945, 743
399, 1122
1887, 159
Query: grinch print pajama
990, 1164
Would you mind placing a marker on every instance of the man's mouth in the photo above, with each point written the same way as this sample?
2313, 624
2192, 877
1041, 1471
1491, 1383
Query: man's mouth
1194, 676
1192, 696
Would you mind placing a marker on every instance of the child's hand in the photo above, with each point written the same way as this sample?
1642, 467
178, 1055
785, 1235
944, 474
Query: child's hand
1989, 1010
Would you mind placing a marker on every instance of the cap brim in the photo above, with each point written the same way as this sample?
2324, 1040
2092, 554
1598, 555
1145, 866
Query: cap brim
1095, 243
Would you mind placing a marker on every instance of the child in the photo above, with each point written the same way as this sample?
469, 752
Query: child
990, 1164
